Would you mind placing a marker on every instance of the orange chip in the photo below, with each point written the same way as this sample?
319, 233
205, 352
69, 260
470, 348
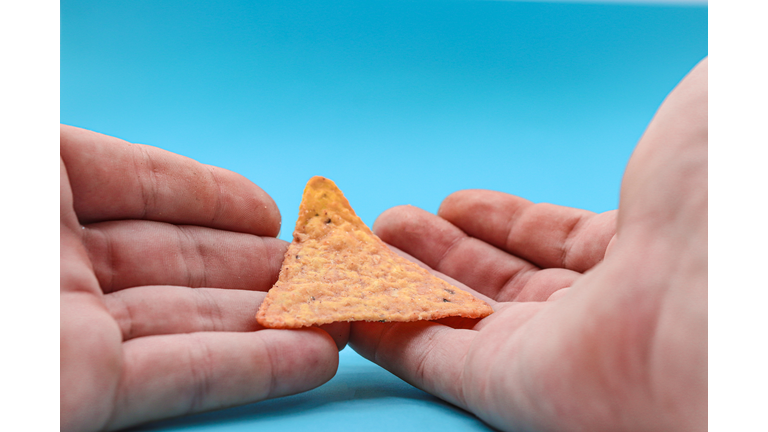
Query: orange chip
337, 269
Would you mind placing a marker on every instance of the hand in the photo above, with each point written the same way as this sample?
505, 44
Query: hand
591, 331
145, 235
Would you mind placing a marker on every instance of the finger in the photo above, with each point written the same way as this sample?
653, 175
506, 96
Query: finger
425, 354
611, 245
444, 277
161, 310
112, 179
172, 375
544, 234
557, 295
485, 268
135, 253
339, 332
452, 364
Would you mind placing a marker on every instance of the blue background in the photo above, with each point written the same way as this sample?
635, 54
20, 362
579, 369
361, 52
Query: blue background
399, 102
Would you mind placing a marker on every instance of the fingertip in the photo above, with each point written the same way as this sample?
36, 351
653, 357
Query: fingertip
339, 332
246, 198
394, 219
304, 359
452, 201
327, 355
562, 292
458, 202
387, 216
271, 219
276, 254
364, 336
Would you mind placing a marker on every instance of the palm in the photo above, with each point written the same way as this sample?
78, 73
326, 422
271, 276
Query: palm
509, 251
143, 232
623, 348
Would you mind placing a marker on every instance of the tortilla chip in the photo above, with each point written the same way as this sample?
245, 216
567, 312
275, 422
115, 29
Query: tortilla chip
337, 269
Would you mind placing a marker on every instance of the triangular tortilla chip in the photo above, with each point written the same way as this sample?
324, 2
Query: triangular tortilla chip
337, 269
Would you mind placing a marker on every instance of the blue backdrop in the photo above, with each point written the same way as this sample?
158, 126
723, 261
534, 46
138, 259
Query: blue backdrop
399, 102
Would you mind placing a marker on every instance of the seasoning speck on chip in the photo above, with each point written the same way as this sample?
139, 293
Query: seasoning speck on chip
337, 269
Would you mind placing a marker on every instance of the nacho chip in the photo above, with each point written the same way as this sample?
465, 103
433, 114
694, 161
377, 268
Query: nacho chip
337, 269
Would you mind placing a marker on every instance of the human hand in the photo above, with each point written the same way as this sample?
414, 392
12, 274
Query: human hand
591, 331
164, 262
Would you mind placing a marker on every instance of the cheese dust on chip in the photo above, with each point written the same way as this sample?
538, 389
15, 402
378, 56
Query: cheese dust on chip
337, 269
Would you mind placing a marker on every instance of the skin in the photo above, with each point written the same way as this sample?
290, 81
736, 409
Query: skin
600, 320
164, 262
